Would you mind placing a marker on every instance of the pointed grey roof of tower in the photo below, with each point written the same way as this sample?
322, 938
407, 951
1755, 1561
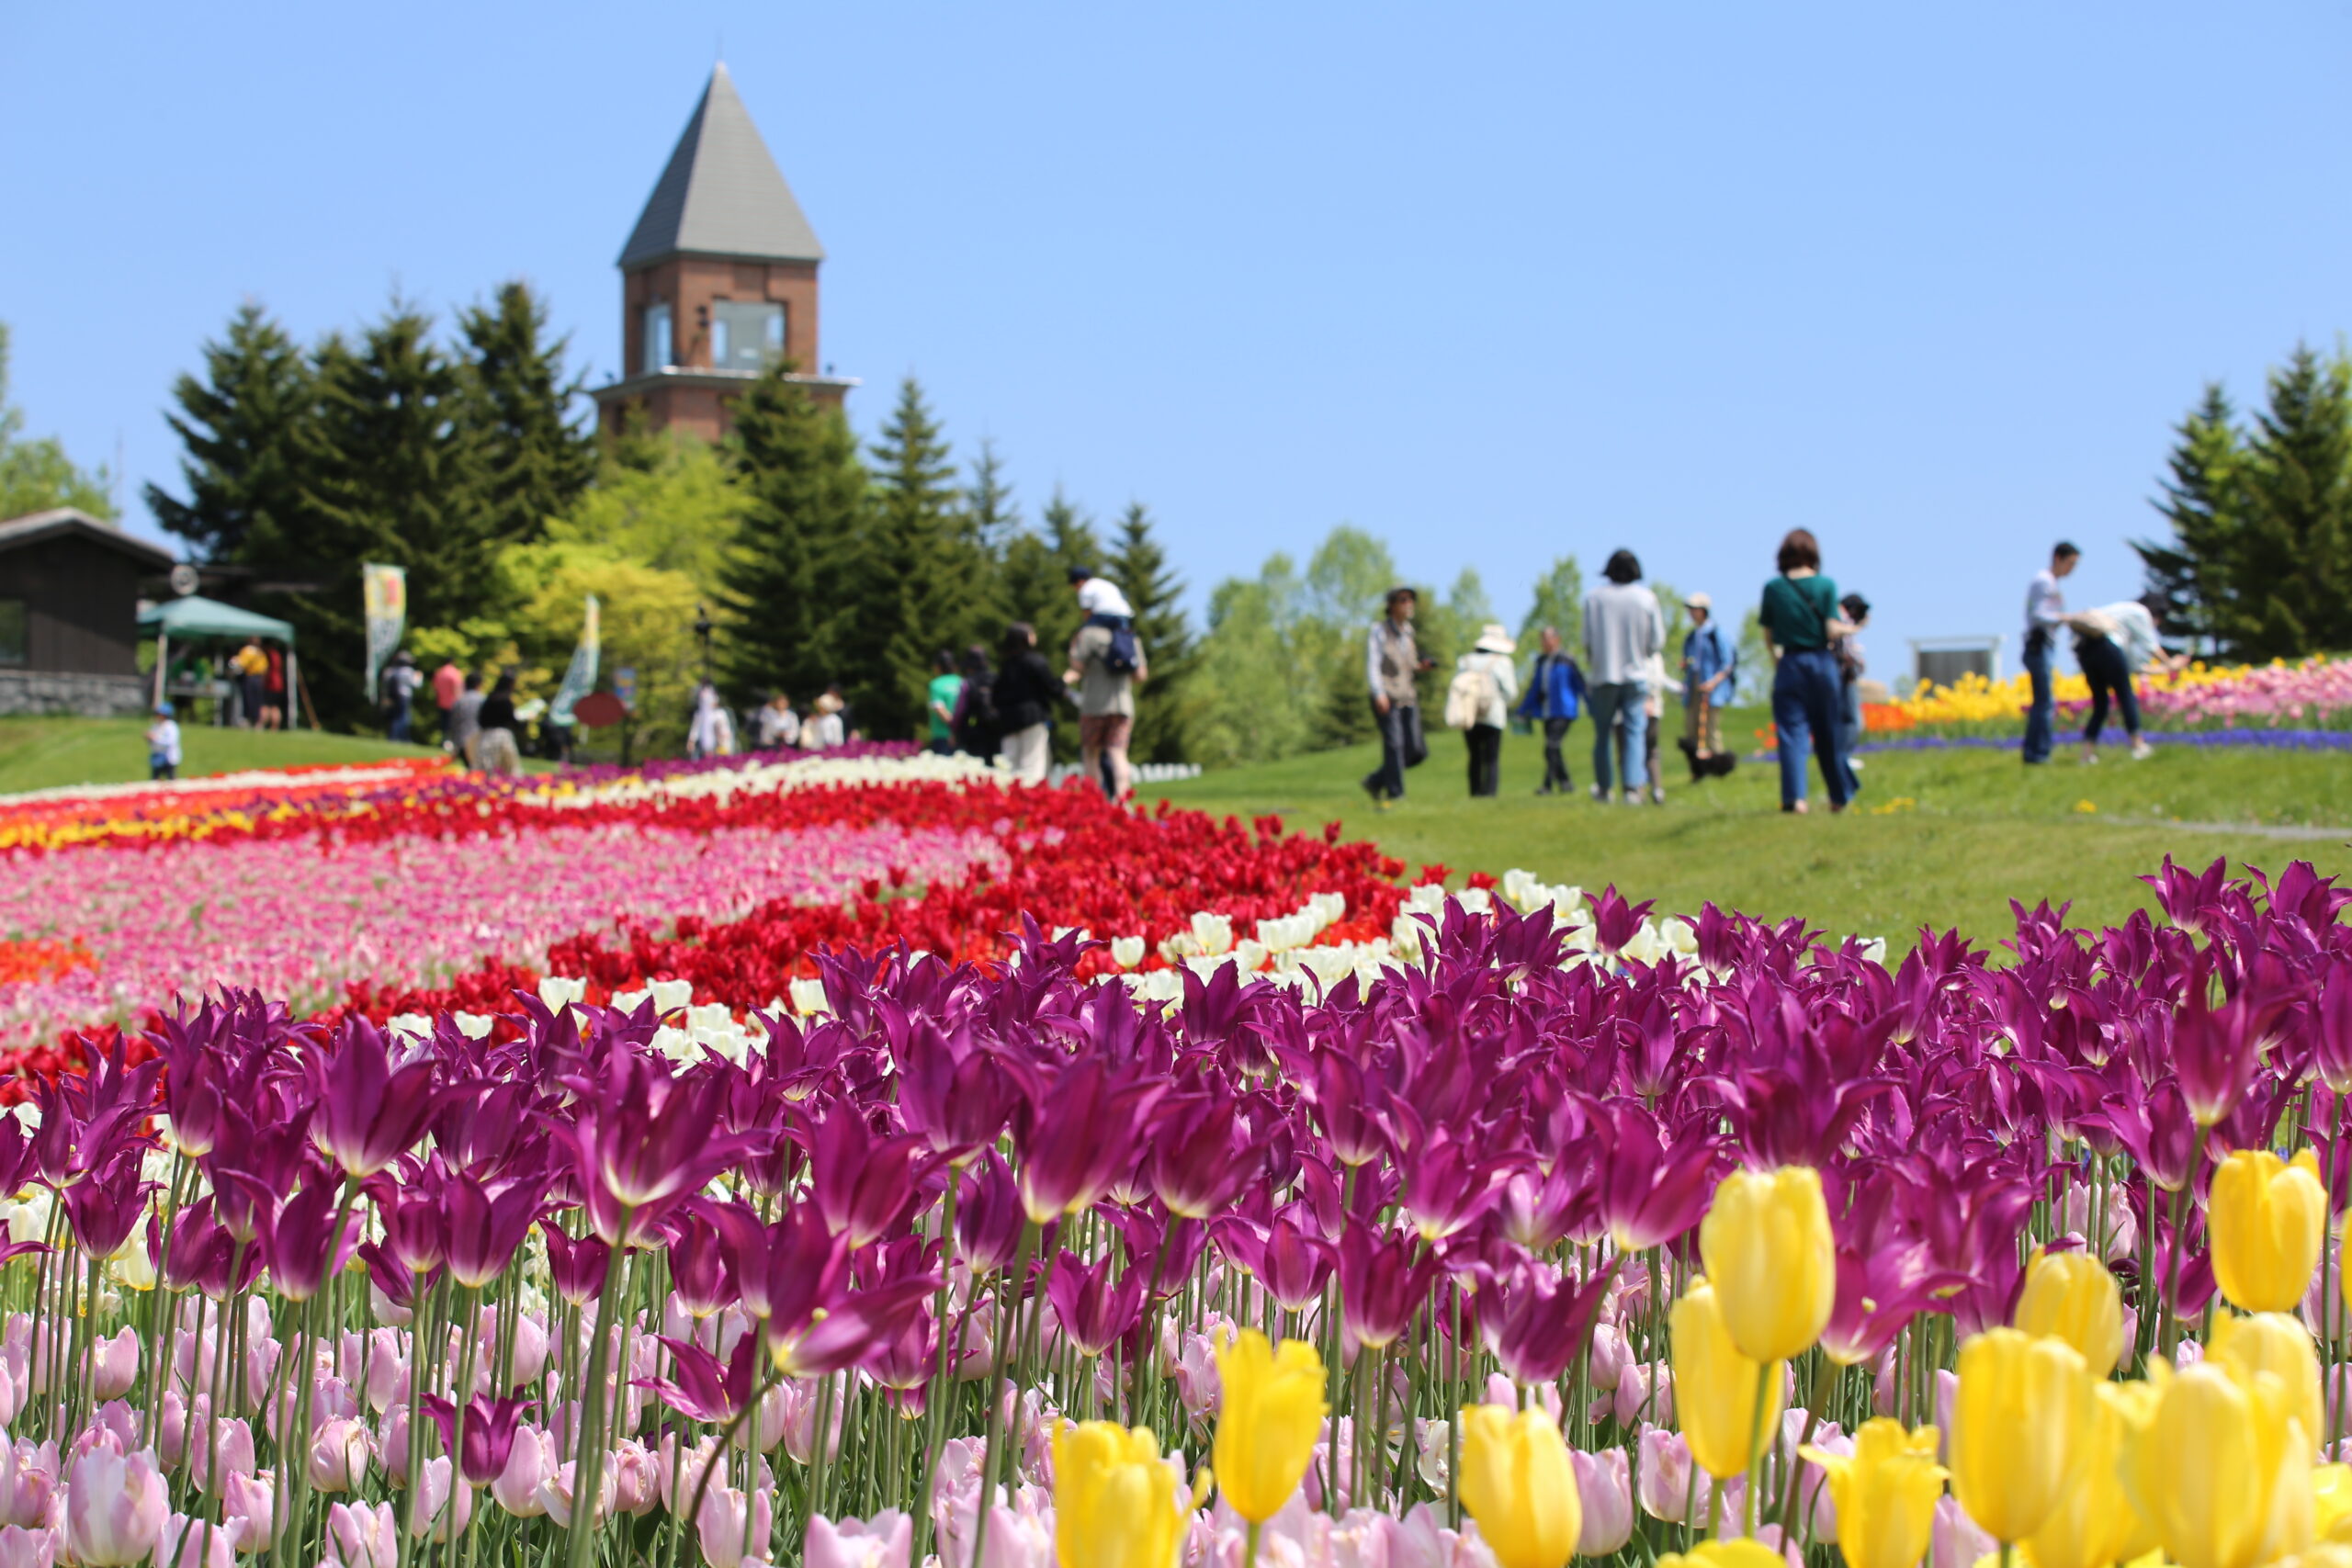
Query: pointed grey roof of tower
722, 194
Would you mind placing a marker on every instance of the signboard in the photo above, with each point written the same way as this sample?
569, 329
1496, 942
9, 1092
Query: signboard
384, 599
581, 677
624, 686
599, 710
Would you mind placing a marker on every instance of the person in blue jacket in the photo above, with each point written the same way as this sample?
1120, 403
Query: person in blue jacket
1709, 666
1555, 693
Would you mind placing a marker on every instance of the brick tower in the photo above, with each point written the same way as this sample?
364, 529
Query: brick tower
718, 279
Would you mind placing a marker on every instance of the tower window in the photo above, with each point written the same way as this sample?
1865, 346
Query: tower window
658, 349
746, 334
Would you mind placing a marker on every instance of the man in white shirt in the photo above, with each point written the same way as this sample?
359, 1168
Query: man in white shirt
2045, 612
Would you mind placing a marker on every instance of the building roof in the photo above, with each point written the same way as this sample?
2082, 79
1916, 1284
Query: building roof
195, 617
722, 194
35, 525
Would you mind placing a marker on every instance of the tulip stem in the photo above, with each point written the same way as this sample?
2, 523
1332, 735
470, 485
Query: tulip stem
1825, 1383
588, 1464
1008, 1325
1764, 1374
1249, 1547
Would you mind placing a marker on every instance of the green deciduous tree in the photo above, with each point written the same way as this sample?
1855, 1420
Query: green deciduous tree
238, 428
676, 504
1559, 604
37, 475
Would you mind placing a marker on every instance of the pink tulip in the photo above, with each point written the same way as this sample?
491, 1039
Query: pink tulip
115, 1505
117, 1369
194, 1543
388, 1376
1646, 1394
391, 1444
721, 1529
22, 1547
359, 1536
12, 1391
530, 1462
249, 1506
885, 1540
1956, 1541
227, 1445
1605, 1488
32, 1491
339, 1454
555, 1494
446, 1506
1670, 1487
637, 1479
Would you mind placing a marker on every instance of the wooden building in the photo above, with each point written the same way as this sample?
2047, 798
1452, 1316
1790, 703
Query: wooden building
69, 614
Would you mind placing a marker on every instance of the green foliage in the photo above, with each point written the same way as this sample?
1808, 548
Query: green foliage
673, 503
536, 459
1138, 564
924, 580
1559, 604
1257, 696
784, 585
646, 619
237, 426
2260, 558
37, 475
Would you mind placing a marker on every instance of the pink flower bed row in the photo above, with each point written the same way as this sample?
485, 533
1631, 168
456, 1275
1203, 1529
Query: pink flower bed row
299, 918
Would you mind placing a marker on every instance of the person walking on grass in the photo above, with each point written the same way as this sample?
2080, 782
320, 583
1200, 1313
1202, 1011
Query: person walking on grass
1392, 660
2045, 612
1555, 691
1478, 704
1023, 696
2112, 644
163, 744
945, 690
1622, 629
464, 740
448, 685
1709, 666
1852, 662
494, 746
1801, 617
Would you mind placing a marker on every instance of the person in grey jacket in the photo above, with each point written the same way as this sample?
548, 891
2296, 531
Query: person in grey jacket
1623, 630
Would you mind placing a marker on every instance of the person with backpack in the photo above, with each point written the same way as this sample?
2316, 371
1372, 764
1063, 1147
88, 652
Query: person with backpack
1106, 665
1392, 662
1709, 667
1623, 627
1801, 619
976, 723
1024, 695
1555, 695
1478, 704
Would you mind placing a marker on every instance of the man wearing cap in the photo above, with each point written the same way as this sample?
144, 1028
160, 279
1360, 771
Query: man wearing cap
1391, 660
1709, 664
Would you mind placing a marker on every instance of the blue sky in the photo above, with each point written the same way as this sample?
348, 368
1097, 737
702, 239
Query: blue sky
1496, 283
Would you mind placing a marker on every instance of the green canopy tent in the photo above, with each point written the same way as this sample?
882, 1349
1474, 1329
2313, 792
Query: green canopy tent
196, 619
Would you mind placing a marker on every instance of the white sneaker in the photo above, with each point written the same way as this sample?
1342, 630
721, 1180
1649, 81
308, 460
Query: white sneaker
2090, 758
2141, 750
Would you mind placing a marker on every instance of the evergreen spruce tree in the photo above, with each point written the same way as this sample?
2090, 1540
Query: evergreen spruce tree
2293, 564
240, 428
2202, 500
536, 458
923, 576
1036, 572
784, 602
1164, 707
389, 471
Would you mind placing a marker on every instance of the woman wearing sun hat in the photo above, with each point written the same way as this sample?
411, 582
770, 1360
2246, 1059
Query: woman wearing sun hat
1485, 682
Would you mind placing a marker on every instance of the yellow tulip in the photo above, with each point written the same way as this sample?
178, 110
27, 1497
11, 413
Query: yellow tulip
1268, 1420
2277, 1343
1739, 1553
2267, 1218
2224, 1471
1716, 1387
1114, 1501
1766, 1244
2071, 1296
1885, 1493
1518, 1483
2331, 1504
2017, 1424
2094, 1523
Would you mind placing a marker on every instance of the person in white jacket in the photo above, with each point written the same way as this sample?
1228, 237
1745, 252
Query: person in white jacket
1488, 666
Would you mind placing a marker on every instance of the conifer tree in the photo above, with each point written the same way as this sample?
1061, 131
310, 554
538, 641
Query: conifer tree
2293, 566
1036, 572
239, 426
1163, 709
388, 472
2203, 502
923, 576
988, 501
783, 602
536, 458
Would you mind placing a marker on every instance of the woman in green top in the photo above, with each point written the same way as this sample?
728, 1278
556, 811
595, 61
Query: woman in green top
1801, 615
946, 688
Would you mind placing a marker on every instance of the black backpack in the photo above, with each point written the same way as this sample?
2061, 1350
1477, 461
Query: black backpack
1120, 657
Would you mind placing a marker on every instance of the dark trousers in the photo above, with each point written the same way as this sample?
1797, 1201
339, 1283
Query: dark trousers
2104, 668
1804, 712
1556, 766
2040, 718
1401, 747
1849, 731
399, 729
1485, 743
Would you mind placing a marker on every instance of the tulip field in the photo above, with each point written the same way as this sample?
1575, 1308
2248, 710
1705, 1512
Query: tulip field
861, 1162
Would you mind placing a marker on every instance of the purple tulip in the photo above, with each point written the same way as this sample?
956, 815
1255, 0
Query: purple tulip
1540, 1320
481, 1438
1073, 1136
485, 1230
1383, 1279
369, 1112
1651, 1190
864, 1185
703, 1389
576, 1267
989, 1217
1203, 1156
1093, 1309
645, 1142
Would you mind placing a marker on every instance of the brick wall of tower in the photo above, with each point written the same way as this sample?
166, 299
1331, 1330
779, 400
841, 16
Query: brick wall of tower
691, 286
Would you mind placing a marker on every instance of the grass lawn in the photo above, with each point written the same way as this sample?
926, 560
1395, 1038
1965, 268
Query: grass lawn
1942, 839
43, 753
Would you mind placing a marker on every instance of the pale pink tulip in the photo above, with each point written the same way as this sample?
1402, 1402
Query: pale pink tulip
1605, 1488
637, 1479
885, 1540
360, 1536
248, 1507
115, 1505
720, 1526
339, 1454
188, 1542
386, 1371
529, 1463
1670, 1487
117, 1369
227, 1446
444, 1508
1956, 1542
22, 1547
33, 1484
